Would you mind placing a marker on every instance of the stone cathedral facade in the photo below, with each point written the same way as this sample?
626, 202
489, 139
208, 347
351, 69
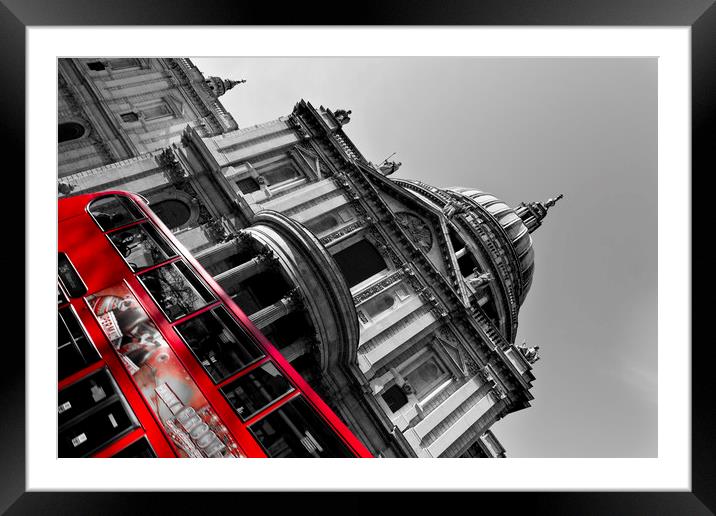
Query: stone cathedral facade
397, 301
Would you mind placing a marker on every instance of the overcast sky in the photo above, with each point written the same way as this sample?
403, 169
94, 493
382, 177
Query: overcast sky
524, 129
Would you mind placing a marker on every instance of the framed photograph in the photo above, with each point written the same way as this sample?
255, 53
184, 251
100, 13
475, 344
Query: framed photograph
424, 236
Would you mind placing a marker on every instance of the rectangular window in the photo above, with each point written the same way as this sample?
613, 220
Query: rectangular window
69, 277
130, 117
91, 414
157, 111
395, 398
426, 376
176, 289
114, 211
295, 430
219, 343
248, 185
141, 246
61, 297
256, 390
74, 349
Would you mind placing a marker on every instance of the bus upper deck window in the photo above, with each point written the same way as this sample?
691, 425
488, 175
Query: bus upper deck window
114, 211
141, 246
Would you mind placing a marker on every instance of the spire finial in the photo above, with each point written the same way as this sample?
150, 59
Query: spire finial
552, 202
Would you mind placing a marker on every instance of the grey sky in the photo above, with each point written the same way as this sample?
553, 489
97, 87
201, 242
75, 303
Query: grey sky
525, 129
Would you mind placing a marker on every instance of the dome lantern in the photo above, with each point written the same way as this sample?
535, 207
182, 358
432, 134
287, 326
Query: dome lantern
220, 86
533, 213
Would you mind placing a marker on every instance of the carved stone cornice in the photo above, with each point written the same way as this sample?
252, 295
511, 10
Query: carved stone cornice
368, 292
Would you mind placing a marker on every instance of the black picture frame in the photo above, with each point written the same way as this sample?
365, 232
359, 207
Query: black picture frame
700, 15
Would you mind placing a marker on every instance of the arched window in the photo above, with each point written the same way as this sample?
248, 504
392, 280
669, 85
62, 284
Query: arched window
359, 261
174, 213
378, 305
68, 131
322, 224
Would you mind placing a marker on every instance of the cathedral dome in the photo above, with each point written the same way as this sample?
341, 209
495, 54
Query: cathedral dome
515, 229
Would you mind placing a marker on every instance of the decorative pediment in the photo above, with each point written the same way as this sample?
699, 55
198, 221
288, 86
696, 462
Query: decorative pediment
452, 350
309, 159
423, 225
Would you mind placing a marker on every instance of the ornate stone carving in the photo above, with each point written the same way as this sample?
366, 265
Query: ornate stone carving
417, 229
326, 240
342, 116
531, 354
481, 280
378, 287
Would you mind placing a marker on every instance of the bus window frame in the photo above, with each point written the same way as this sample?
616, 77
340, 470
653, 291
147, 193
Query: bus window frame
148, 222
268, 407
211, 310
171, 263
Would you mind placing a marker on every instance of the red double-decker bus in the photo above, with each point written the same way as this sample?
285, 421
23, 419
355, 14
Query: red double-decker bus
156, 360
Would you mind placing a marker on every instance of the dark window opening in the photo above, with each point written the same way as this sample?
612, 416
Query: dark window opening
248, 185
295, 430
74, 350
172, 212
256, 390
455, 240
219, 343
96, 66
359, 262
395, 397
68, 131
491, 312
288, 329
467, 264
265, 289
69, 277
130, 117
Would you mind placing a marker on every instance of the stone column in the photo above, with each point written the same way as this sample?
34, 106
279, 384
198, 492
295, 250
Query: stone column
280, 308
215, 253
296, 349
208, 256
245, 270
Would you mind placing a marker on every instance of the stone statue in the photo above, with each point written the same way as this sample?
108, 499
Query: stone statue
531, 354
452, 208
481, 280
389, 167
342, 116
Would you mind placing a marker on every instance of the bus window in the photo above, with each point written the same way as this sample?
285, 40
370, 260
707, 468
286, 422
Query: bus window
141, 246
68, 276
91, 414
295, 430
74, 349
256, 390
175, 289
113, 211
218, 342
